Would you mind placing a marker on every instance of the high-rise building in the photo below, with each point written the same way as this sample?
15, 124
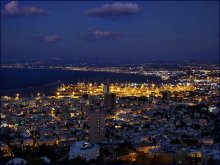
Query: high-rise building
97, 125
106, 88
109, 100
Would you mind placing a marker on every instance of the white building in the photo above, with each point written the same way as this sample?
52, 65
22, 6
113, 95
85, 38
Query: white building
17, 161
46, 159
84, 149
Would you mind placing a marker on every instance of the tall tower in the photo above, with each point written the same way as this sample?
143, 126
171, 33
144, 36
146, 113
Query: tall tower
109, 100
97, 126
106, 87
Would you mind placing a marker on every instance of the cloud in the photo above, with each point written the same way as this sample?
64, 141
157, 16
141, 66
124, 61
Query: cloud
114, 10
47, 38
96, 34
12, 9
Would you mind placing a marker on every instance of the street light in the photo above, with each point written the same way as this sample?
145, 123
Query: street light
17, 96
38, 94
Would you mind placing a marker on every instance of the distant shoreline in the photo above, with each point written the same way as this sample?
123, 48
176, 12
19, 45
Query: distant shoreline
32, 81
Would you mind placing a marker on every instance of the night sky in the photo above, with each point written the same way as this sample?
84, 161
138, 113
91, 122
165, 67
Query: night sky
123, 31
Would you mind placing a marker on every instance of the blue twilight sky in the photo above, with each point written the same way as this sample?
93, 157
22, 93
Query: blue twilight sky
123, 31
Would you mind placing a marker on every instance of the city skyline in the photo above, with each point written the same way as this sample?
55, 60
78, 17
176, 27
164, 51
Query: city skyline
113, 82
122, 31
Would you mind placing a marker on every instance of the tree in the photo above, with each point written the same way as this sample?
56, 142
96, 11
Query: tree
78, 160
175, 141
211, 161
124, 148
191, 142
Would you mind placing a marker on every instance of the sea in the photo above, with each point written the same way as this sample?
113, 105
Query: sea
29, 82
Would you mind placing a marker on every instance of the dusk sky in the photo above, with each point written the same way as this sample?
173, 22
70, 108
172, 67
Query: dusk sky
139, 31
